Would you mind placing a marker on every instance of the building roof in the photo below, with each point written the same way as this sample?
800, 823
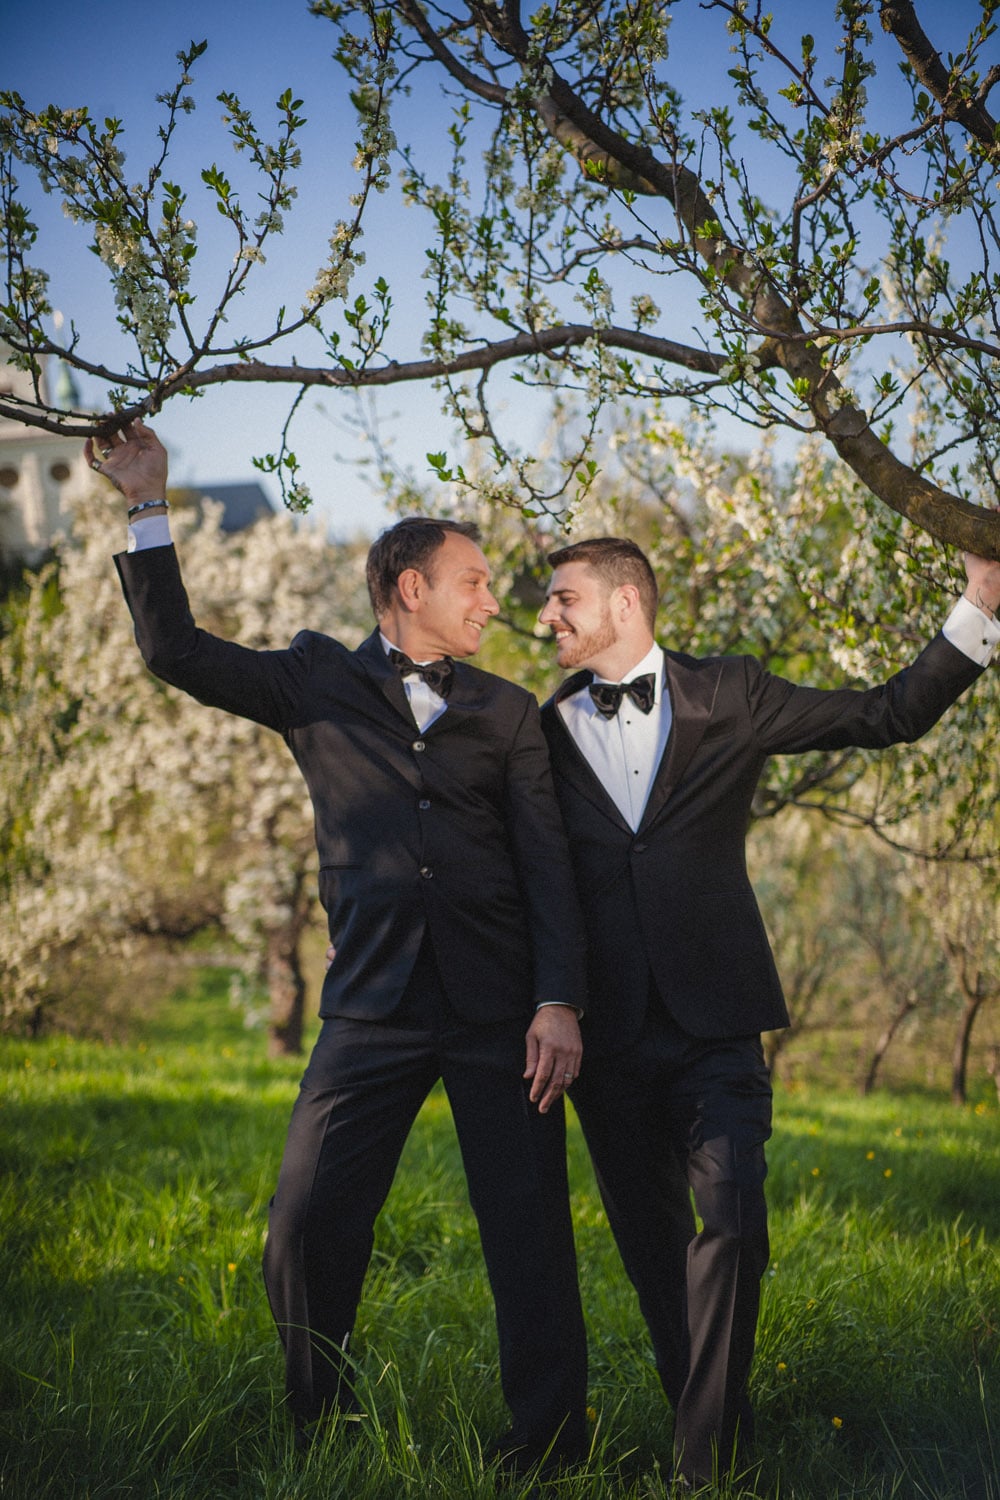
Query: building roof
242, 504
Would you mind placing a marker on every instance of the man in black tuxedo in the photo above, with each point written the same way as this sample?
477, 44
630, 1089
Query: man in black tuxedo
445, 874
656, 757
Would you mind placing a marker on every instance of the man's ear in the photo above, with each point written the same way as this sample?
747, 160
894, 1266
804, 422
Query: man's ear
410, 587
626, 602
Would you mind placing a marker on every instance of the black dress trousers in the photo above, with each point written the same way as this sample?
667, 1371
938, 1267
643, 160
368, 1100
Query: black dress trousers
358, 1099
671, 1118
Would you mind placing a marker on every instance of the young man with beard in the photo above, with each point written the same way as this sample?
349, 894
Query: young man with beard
656, 756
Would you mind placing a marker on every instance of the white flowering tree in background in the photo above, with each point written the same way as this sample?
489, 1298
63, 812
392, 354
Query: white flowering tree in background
815, 248
131, 813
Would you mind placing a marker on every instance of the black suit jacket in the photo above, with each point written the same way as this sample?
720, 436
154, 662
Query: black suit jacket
671, 904
454, 830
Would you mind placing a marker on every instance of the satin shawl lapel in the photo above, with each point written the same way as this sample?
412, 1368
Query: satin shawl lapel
568, 760
692, 698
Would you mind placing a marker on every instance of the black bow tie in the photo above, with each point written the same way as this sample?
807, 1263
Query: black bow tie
436, 674
608, 696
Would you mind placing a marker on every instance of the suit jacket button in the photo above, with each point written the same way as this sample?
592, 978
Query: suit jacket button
423, 804
419, 745
427, 872
639, 848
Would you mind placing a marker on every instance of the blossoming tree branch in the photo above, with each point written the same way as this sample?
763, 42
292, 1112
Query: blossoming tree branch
828, 259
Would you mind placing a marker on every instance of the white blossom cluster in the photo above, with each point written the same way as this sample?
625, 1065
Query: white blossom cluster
372, 68
141, 298
130, 807
139, 230
334, 278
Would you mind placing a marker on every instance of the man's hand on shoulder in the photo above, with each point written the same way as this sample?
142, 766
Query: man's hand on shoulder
134, 460
983, 588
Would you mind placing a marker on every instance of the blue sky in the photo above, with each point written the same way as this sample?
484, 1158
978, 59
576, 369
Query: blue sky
116, 60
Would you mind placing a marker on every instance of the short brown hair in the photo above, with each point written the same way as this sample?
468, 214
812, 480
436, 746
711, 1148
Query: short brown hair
615, 561
411, 543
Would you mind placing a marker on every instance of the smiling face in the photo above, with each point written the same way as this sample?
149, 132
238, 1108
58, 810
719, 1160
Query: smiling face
579, 612
596, 623
446, 606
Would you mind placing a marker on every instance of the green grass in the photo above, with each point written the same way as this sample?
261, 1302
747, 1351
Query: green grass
137, 1355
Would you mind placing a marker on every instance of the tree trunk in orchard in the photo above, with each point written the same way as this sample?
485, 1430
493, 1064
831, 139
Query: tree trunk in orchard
994, 1068
960, 1054
905, 1008
285, 981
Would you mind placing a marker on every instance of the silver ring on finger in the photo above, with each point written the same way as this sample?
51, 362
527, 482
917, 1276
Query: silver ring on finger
95, 463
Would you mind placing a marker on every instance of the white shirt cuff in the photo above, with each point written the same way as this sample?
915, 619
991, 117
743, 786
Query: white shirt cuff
972, 632
152, 531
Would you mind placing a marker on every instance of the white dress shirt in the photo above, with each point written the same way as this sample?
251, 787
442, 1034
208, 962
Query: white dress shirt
972, 632
624, 752
425, 704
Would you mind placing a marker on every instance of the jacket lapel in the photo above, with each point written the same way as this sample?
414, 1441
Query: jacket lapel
469, 694
568, 761
692, 691
371, 655
692, 697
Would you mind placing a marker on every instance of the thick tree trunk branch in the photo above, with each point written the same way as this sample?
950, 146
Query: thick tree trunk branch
900, 20
756, 306
481, 87
945, 516
934, 510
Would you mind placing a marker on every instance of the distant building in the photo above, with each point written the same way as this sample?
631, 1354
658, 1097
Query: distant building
42, 474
